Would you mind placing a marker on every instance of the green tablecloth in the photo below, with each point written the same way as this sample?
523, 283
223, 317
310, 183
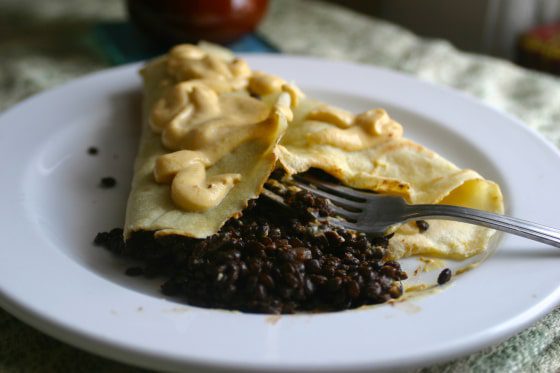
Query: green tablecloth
43, 44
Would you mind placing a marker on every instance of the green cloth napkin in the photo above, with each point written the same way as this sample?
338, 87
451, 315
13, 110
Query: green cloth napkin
43, 44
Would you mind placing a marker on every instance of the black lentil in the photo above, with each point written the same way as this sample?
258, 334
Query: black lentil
422, 225
444, 276
266, 262
108, 182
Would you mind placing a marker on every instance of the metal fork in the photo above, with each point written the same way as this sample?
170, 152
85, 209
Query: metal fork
375, 214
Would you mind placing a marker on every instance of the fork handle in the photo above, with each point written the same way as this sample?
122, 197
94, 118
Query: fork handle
527, 229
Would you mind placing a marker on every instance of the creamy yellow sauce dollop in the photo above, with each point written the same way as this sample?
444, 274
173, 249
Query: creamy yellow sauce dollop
206, 113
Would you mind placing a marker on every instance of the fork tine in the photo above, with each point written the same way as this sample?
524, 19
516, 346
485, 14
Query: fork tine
273, 196
345, 224
340, 211
336, 200
351, 218
338, 189
279, 200
345, 214
355, 227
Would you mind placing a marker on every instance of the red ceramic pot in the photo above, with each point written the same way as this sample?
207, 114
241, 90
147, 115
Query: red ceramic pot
175, 21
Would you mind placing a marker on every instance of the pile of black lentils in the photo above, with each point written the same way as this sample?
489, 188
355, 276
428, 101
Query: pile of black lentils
269, 260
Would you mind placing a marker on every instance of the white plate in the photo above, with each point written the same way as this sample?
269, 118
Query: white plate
53, 278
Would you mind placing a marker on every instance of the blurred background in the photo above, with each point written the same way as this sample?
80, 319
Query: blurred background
484, 26
509, 29
524, 31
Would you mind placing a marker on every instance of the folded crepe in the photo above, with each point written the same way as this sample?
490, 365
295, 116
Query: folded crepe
214, 130
367, 151
200, 119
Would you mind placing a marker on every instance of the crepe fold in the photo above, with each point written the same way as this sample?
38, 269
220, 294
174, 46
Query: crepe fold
366, 151
391, 164
150, 206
